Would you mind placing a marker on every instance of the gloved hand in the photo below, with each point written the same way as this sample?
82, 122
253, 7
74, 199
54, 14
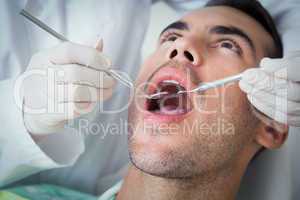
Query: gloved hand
63, 83
274, 88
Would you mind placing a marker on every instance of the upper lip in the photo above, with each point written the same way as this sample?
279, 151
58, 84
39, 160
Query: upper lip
170, 73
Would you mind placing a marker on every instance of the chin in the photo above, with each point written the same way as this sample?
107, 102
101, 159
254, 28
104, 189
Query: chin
162, 165
160, 156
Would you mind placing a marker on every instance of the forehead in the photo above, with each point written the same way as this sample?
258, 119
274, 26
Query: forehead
202, 19
224, 15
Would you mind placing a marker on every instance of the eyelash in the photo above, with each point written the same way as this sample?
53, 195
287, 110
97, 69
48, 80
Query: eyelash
234, 43
169, 36
172, 36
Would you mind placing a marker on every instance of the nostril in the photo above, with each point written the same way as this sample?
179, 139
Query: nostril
189, 56
173, 53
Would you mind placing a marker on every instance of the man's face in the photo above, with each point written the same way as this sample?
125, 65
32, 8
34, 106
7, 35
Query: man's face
190, 134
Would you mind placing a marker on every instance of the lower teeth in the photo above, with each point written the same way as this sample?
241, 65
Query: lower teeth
171, 110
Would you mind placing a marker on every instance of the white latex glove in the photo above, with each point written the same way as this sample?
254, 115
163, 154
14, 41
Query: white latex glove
63, 83
274, 88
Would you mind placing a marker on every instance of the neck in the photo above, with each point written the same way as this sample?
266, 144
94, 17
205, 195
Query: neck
142, 186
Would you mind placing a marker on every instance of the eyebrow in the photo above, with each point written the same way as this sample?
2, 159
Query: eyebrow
232, 30
179, 25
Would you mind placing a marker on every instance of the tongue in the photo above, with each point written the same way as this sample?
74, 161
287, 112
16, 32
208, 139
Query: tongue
174, 104
169, 109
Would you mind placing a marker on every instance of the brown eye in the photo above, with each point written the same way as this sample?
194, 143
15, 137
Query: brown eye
169, 36
231, 45
227, 45
172, 38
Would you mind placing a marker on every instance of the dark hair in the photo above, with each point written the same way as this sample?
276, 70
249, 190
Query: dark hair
255, 10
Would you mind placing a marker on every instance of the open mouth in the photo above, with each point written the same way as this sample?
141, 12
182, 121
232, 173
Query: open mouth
169, 103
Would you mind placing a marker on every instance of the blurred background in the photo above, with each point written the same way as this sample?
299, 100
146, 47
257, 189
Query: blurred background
161, 16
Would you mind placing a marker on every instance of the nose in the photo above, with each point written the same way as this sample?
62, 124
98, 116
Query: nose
185, 50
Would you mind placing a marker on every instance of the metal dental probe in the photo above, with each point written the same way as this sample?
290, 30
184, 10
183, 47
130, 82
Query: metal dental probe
203, 86
52, 32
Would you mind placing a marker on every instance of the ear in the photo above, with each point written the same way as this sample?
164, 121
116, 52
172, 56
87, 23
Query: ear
272, 135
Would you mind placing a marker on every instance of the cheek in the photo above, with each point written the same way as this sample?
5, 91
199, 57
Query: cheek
234, 100
226, 105
216, 100
228, 101
150, 65
217, 66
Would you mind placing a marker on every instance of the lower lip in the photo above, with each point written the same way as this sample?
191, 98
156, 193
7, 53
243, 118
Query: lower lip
161, 118
164, 118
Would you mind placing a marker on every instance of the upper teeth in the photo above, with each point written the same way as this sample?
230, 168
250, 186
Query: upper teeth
171, 81
159, 93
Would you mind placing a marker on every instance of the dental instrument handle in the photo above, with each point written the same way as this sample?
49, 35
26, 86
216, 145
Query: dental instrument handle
213, 84
52, 32
120, 78
224, 81
42, 25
